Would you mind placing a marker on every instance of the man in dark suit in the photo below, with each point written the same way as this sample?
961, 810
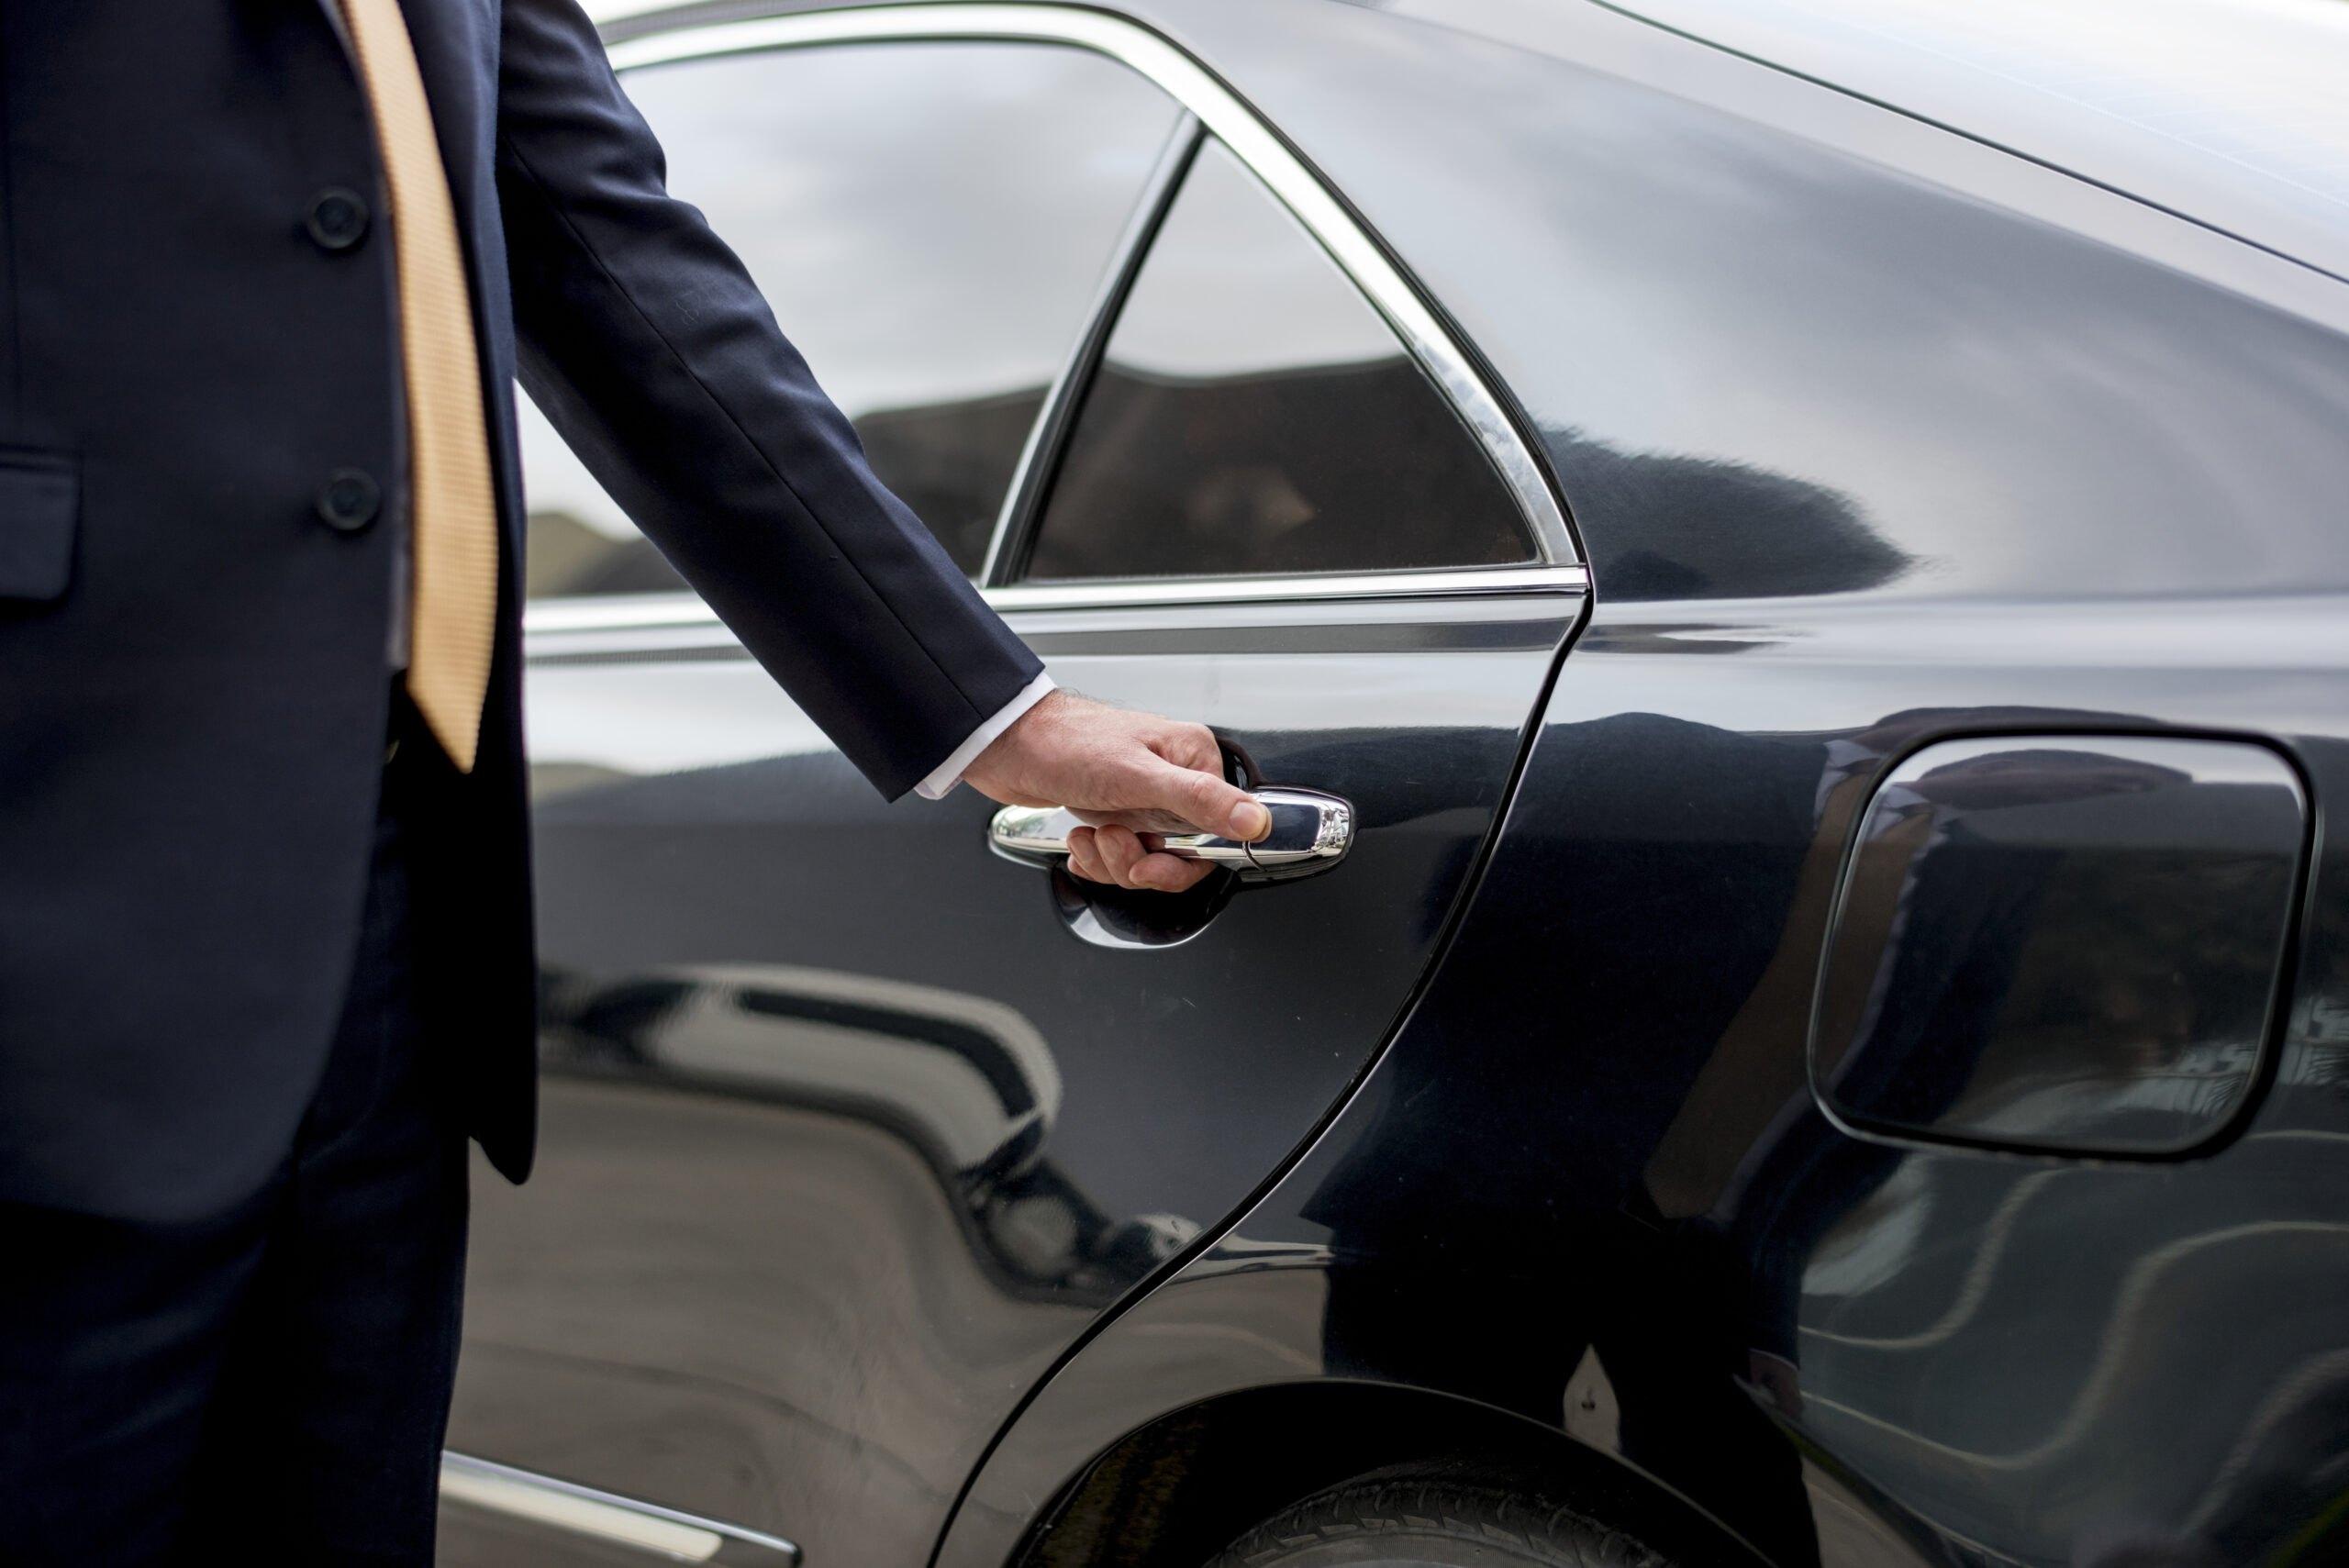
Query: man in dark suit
264, 898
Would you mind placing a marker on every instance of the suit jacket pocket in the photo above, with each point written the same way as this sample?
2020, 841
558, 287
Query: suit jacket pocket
40, 500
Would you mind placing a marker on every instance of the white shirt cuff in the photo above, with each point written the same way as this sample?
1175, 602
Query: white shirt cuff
948, 773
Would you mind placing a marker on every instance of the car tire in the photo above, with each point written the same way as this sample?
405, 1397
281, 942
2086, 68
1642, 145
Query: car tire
1400, 1522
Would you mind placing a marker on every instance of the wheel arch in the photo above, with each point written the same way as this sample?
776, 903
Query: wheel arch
1175, 1490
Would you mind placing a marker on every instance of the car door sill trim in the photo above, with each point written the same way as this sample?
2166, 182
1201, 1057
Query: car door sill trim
519, 1495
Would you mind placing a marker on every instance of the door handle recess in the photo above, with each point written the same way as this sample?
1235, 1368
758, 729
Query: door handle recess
1310, 833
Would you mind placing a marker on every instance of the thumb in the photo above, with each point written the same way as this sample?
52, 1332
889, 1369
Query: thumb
1208, 803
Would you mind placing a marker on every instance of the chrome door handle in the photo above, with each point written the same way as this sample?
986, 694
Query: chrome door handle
1310, 833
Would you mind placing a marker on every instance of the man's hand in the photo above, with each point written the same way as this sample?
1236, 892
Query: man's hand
1133, 775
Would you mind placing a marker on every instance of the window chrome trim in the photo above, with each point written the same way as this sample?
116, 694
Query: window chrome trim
616, 612
685, 613
1225, 117
656, 1532
1121, 593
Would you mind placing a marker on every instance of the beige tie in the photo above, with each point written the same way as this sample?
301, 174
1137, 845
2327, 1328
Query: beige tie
454, 511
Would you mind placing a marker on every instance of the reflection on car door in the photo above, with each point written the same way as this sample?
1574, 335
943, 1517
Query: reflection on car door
852, 1127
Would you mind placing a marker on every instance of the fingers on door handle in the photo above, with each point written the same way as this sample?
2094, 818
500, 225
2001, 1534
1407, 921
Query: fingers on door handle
1311, 833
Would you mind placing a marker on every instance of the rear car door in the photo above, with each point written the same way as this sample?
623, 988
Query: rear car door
850, 1126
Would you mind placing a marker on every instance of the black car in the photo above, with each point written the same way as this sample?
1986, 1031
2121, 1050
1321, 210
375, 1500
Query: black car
1785, 562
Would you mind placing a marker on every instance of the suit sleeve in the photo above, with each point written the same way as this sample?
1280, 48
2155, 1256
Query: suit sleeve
644, 340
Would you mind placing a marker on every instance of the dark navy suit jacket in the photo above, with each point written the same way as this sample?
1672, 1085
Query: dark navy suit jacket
193, 686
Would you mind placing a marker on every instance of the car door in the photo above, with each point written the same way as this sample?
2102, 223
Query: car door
852, 1127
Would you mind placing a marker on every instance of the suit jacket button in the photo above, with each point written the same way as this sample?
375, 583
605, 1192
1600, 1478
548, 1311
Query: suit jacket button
350, 499
338, 218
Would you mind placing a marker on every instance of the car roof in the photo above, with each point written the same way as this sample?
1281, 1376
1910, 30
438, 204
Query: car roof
2234, 112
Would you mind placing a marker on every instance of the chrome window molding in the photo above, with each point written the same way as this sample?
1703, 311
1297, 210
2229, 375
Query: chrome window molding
693, 623
618, 612
1224, 116
1122, 592
518, 1494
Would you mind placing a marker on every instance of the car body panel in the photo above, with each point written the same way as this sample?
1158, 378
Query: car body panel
2226, 112
2019, 1358
791, 1259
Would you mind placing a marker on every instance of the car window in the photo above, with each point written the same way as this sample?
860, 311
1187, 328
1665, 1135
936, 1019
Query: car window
930, 222
1254, 414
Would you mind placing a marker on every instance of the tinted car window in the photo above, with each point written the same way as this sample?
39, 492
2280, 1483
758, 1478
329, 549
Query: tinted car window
1254, 413
930, 222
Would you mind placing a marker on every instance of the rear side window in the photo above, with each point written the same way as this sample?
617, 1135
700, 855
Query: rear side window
1254, 413
929, 221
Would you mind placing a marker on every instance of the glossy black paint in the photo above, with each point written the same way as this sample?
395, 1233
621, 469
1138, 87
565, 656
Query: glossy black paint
2065, 942
1872, 445
1596, 1129
848, 1134
846, 1139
